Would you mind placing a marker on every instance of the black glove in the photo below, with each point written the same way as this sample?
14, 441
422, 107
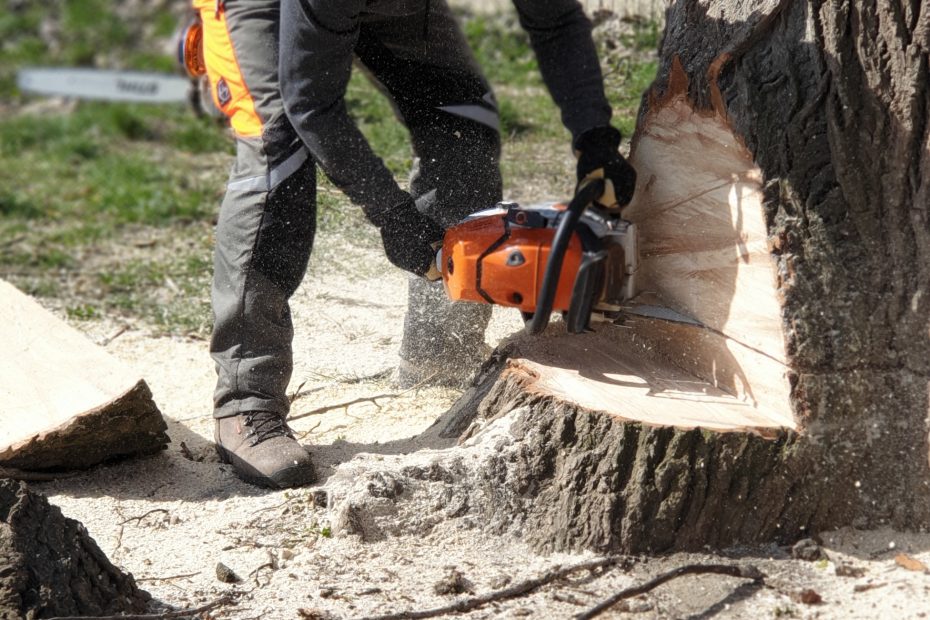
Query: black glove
598, 152
409, 237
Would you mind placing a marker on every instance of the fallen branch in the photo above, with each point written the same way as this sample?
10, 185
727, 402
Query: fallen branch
181, 613
520, 589
732, 570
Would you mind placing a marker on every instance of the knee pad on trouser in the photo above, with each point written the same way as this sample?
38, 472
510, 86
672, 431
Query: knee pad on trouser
443, 341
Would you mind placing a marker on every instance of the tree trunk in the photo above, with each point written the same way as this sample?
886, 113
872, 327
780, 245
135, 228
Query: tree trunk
831, 102
51, 567
778, 382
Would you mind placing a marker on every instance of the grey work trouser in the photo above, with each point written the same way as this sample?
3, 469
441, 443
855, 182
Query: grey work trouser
267, 220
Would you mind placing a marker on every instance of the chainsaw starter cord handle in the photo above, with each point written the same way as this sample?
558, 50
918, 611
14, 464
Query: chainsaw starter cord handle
588, 193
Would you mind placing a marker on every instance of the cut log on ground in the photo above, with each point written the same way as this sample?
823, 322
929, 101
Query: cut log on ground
772, 379
51, 567
64, 402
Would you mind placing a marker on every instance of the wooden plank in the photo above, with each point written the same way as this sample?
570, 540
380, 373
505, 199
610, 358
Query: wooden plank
65, 402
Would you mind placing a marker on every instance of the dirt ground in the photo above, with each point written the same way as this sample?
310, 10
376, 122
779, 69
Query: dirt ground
171, 518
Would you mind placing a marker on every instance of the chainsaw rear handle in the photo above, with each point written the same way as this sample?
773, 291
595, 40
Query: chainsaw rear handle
585, 196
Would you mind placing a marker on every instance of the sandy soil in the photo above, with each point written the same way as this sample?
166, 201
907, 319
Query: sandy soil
171, 518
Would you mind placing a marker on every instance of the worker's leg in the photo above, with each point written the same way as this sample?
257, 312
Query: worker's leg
425, 65
263, 241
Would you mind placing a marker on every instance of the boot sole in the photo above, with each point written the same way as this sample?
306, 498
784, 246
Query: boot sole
284, 479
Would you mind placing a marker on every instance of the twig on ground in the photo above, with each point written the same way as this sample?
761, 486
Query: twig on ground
255, 573
520, 589
116, 334
363, 399
169, 578
297, 393
186, 453
381, 374
281, 505
11, 242
142, 516
343, 405
300, 392
733, 570
181, 613
305, 433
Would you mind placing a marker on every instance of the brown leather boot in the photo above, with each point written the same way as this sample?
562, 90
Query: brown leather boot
262, 450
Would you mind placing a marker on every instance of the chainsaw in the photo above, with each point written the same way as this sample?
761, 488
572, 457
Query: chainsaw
577, 259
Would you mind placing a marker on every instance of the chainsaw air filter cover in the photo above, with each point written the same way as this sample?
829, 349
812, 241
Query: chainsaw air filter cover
499, 256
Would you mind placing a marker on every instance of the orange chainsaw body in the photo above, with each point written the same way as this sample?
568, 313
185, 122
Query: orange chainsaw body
487, 260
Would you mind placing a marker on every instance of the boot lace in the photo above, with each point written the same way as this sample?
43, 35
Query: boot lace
265, 425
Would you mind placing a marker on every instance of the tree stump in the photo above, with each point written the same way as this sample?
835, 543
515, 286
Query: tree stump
52, 567
771, 380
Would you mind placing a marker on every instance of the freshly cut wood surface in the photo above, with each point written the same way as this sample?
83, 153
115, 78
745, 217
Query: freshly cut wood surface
617, 372
50, 377
704, 247
753, 378
705, 253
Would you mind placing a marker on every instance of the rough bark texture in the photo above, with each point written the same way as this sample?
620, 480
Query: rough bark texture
129, 425
49, 566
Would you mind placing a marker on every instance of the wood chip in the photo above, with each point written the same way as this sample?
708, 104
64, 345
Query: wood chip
910, 563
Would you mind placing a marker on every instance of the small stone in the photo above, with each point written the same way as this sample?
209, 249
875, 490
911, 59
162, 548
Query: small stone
454, 582
808, 549
807, 597
286, 554
845, 569
320, 498
500, 582
226, 574
640, 605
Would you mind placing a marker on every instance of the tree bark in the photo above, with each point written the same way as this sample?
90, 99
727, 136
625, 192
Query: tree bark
51, 567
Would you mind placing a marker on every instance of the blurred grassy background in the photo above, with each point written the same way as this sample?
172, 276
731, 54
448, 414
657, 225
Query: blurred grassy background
106, 210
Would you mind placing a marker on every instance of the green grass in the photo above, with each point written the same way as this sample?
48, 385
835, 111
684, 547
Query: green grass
83, 188
80, 33
76, 184
502, 49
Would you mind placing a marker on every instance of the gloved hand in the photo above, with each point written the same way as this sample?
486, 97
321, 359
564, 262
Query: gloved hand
598, 152
409, 238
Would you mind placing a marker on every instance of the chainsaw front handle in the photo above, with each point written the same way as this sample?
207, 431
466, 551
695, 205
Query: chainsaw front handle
587, 194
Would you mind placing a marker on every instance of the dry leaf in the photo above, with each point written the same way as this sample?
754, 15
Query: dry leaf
905, 561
